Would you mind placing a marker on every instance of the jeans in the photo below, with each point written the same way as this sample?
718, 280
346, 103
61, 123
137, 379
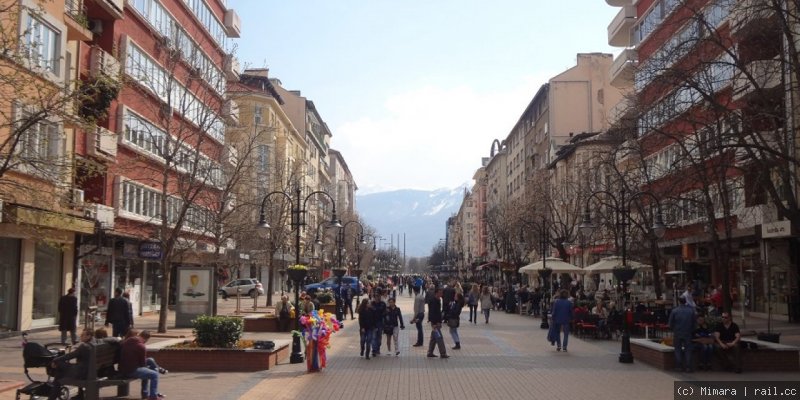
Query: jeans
436, 339
366, 340
420, 337
473, 313
394, 337
706, 351
562, 328
486, 312
683, 352
147, 375
73, 335
377, 332
454, 335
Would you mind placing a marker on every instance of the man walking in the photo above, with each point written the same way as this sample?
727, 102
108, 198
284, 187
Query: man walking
562, 318
681, 323
67, 314
379, 309
419, 314
118, 314
435, 318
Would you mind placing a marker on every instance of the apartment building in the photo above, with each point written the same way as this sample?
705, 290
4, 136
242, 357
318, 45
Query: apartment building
709, 85
151, 170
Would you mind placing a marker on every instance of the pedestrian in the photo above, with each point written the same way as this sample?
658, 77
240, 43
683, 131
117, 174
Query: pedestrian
419, 314
435, 318
347, 297
681, 323
118, 314
472, 302
487, 303
727, 337
392, 324
127, 295
453, 318
379, 309
562, 318
67, 315
133, 364
366, 325
284, 308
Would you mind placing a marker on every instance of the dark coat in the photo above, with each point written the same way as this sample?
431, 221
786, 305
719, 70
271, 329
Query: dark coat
435, 310
81, 354
366, 318
119, 310
562, 311
67, 313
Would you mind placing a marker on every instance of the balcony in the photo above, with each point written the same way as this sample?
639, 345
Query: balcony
231, 68
623, 67
102, 143
620, 111
76, 21
103, 63
231, 155
233, 24
618, 3
114, 8
619, 30
752, 16
766, 75
100, 213
230, 111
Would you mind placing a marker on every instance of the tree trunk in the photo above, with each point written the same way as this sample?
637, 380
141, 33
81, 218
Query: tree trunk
164, 311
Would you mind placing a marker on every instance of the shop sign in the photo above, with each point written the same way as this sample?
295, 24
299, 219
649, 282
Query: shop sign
150, 250
776, 229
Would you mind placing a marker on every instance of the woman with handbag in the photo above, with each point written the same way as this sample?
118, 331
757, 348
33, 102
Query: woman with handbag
453, 318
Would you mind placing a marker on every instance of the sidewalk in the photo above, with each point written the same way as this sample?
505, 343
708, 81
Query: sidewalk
507, 358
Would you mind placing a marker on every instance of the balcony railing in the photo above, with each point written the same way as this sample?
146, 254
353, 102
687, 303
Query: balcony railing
623, 67
102, 143
77, 22
750, 16
766, 75
230, 111
114, 8
233, 24
619, 30
103, 63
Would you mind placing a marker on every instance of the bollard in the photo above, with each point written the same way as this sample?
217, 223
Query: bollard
255, 301
238, 301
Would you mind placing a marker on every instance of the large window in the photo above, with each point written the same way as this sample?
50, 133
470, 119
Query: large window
42, 45
46, 282
41, 142
146, 202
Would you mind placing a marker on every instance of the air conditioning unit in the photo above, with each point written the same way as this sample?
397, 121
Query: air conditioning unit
77, 197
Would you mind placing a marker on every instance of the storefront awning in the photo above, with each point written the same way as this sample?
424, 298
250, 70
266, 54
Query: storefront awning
50, 219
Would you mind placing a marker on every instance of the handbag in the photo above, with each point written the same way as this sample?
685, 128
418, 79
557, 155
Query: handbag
453, 323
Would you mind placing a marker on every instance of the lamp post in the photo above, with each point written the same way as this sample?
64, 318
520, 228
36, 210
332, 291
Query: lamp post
545, 274
298, 211
621, 207
341, 271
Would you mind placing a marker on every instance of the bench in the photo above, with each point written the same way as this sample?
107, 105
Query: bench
101, 373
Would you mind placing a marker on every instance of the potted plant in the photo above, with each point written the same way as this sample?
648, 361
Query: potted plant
339, 272
297, 272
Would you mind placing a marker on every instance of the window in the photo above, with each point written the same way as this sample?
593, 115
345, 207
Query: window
42, 45
41, 142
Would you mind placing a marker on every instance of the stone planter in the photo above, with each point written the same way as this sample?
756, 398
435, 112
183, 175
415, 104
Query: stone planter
261, 323
217, 360
767, 357
297, 275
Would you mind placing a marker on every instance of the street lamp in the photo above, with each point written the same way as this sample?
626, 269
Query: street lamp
340, 245
546, 273
298, 211
621, 216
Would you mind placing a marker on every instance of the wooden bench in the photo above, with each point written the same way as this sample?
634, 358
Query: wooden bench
101, 373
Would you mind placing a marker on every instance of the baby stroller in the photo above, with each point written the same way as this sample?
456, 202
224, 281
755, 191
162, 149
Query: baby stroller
35, 355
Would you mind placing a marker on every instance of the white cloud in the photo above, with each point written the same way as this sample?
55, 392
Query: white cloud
431, 136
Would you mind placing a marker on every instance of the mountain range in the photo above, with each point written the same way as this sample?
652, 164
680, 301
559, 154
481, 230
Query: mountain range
419, 215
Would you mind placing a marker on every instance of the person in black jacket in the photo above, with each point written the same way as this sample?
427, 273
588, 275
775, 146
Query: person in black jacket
435, 318
366, 324
379, 309
453, 318
391, 320
67, 314
118, 314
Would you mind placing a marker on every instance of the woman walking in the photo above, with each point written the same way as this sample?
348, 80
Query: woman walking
472, 302
453, 317
390, 327
486, 302
366, 324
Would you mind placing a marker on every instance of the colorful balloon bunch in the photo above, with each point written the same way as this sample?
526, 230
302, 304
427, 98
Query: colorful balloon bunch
317, 330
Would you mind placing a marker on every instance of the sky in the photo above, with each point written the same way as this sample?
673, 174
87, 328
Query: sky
414, 91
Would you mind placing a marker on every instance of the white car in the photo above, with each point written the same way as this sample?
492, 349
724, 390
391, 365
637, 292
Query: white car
245, 287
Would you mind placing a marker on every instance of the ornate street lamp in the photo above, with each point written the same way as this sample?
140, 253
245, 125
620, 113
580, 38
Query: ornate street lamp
621, 207
298, 211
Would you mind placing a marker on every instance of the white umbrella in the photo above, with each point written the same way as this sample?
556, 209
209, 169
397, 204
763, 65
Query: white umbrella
608, 264
552, 263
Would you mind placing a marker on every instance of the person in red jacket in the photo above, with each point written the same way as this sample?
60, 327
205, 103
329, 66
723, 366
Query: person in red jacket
134, 364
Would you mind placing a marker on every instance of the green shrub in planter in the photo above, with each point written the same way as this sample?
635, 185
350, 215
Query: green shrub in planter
325, 297
219, 331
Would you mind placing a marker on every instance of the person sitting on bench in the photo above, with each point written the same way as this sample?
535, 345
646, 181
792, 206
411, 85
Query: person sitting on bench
134, 364
64, 369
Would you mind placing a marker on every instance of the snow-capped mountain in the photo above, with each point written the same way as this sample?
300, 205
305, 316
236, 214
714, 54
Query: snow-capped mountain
419, 214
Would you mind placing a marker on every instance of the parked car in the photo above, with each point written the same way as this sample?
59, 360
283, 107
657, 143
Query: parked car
332, 283
247, 287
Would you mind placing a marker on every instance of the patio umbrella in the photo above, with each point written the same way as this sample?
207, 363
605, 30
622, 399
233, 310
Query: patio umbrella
608, 264
554, 264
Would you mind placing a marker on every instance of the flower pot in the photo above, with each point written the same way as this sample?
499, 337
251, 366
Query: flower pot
297, 275
339, 272
624, 274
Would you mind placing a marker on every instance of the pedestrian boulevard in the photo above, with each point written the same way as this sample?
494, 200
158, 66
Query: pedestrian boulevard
507, 358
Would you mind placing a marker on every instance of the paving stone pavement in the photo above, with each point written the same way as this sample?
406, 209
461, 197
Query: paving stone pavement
507, 358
